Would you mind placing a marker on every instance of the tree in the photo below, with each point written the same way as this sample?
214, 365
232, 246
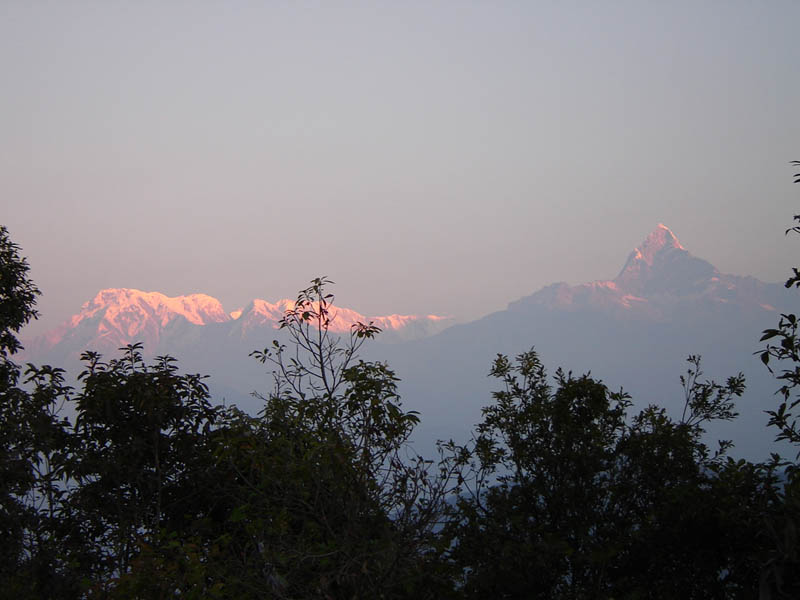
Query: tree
786, 350
142, 435
17, 295
319, 495
360, 508
780, 579
33, 449
568, 498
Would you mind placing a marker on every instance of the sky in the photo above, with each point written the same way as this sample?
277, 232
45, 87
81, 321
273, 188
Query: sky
429, 157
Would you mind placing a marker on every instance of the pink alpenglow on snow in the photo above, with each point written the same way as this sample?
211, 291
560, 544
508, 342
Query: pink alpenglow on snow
342, 320
117, 317
658, 278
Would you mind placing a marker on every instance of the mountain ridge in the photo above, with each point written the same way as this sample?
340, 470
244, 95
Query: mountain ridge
658, 278
115, 317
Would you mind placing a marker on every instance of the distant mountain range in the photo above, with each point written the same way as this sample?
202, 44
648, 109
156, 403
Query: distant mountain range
117, 317
633, 331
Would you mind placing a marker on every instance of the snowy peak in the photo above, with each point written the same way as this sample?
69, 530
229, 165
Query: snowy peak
660, 278
124, 303
119, 316
659, 240
260, 313
661, 264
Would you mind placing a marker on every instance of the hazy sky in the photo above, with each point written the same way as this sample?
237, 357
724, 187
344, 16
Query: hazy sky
430, 157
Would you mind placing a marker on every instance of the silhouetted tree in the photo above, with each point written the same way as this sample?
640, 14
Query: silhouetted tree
571, 500
781, 577
33, 450
143, 436
358, 507
17, 295
319, 495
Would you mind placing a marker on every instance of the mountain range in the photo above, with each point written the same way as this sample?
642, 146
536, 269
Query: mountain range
117, 317
634, 331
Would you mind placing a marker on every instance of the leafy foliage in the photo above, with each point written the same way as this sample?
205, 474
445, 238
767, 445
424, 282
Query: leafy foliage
368, 506
17, 295
143, 432
572, 500
783, 347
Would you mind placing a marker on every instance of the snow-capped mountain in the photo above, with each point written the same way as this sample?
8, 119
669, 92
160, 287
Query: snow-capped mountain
260, 313
659, 278
117, 317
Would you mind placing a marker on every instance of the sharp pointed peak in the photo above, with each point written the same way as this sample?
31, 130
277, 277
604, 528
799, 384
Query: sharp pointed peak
661, 237
659, 240
658, 261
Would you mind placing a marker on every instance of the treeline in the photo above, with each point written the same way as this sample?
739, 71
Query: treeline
149, 490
